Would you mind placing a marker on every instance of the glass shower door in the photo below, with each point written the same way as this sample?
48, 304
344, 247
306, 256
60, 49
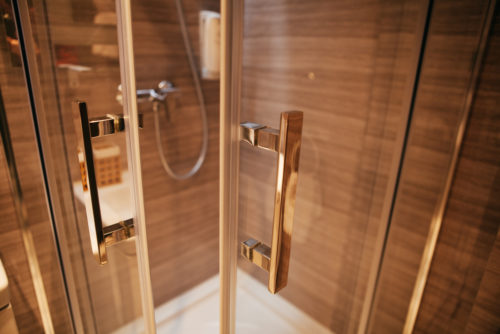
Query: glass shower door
322, 107
75, 55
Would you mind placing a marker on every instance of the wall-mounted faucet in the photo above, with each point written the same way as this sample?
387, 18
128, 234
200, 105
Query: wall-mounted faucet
158, 94
155, 95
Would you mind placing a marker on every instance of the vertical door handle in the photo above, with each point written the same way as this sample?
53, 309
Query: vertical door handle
286, 142
100, 236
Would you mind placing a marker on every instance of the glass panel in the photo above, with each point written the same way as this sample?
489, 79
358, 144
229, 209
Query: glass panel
37, 296
351, 69
180, 179
72, 53
178, 97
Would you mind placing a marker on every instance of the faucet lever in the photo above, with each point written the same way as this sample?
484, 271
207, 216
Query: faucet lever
152, 94
156, 95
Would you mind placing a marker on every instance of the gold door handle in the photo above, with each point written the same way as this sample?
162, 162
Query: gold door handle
100, 236
286, 142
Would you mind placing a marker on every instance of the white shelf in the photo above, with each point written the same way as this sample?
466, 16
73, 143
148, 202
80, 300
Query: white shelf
115, 201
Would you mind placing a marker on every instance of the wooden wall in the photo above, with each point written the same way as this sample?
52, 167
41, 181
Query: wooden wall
483, 317
182, 216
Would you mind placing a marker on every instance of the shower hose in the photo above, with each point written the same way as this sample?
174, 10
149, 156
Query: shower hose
203, 113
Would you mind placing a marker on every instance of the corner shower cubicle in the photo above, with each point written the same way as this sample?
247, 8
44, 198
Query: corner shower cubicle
206, 166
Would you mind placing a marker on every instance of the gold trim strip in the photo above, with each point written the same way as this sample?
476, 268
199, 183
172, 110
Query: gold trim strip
230, 87
127, 73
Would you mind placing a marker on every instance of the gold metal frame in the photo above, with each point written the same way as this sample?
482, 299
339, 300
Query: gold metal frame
129, 91
286, 142
229, 118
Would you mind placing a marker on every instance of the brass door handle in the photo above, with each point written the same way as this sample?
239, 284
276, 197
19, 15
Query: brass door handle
100, 236
286, 142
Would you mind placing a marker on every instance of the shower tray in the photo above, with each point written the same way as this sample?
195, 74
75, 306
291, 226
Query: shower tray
197, 311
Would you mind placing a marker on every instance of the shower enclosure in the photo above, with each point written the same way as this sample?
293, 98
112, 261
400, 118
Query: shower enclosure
264, 198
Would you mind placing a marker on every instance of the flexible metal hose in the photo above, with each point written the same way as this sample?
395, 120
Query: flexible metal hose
203, 113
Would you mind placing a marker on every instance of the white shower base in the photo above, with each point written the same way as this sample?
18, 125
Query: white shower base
257, 311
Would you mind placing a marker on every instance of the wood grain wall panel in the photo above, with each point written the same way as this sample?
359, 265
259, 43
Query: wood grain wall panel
484, 316
450, 51
472, 219
348, 66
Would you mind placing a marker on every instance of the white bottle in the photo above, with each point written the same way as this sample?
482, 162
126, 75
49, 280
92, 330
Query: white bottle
210, 44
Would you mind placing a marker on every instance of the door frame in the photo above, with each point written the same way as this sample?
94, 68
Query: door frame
127, 73
229, 148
